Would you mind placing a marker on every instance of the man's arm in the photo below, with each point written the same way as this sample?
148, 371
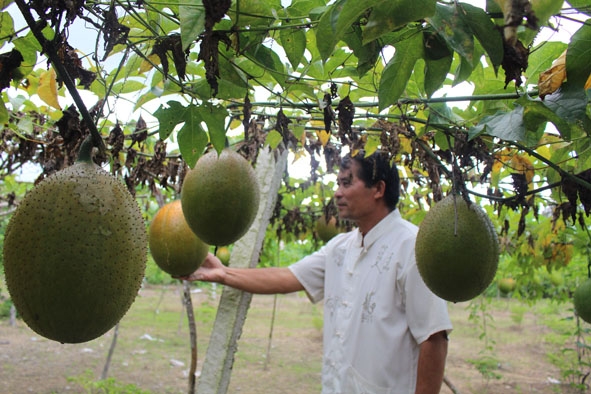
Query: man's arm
431, 366
270, 280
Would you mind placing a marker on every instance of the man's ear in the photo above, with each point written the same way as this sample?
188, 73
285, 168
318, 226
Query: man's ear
380, 189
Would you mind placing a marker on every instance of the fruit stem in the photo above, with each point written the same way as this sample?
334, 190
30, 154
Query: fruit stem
85, 151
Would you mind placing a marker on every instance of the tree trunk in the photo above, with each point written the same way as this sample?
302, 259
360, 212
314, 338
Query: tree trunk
231, 314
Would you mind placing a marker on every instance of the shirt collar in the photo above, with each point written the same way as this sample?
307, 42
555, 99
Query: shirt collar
378, 230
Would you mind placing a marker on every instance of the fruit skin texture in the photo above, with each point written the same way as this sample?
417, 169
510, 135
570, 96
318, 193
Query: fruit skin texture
582, 300
174, 246
220, 197
457, 262
75, 254
326, 230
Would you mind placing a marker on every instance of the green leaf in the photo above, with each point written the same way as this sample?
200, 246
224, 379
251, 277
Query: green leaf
128, 86
367, 54
372, 144
337, 21
192, 138
462, 72
507, 126
454, 30
214, 116
484, 30
28, 46
169, 117
536, 113
349, 12
570, 103
435, 73
326, 38
581, 5
192, 23
6, 27
254, 13
273, 139
399, 69
387, 16
293, 42
3, 112
269, 60
578, 56
541, 58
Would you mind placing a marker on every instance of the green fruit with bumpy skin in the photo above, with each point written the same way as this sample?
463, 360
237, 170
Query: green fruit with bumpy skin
175, 248
75, 253
582, 300
220, 197
457, 249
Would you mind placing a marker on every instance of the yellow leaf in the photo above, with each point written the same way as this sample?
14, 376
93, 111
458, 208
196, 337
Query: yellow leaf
588, 83
405, 145
552, 79
323, 136
32, 84
524, 166
495, 173
47, 90
235, 123
147, 65
372, 144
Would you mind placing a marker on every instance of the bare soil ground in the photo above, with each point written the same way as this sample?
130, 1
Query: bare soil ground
153, 352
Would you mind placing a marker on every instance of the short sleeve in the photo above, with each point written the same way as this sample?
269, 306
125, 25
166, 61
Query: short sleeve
426, 313
310, 273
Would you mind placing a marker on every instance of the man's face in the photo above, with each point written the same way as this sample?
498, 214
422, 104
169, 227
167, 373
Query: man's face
354, 200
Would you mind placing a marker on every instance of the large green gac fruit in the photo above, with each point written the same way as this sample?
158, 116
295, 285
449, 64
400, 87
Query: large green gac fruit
582, 300
457, 249
220, 197
175, 248
75, 253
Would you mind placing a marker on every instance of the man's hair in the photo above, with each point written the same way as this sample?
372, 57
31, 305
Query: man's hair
374, 168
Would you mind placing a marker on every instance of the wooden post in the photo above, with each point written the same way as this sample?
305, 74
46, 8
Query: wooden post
234, 304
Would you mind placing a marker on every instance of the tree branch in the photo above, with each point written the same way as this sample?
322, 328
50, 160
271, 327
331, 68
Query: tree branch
51, 52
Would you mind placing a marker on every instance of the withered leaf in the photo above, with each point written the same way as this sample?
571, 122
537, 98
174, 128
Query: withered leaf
208, 52
113, 32
215, 11
116, 139
9, 63
346, 110
551, 79
69, 125
141, 131
246, 114
329, 115
72, 63
515, 61
172, 44
282, 126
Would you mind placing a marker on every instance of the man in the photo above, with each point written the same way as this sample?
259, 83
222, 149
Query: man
384, 331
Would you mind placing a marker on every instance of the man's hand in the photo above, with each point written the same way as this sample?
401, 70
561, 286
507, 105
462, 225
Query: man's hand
211, 270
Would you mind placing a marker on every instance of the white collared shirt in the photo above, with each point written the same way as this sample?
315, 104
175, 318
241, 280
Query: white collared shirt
377, 309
